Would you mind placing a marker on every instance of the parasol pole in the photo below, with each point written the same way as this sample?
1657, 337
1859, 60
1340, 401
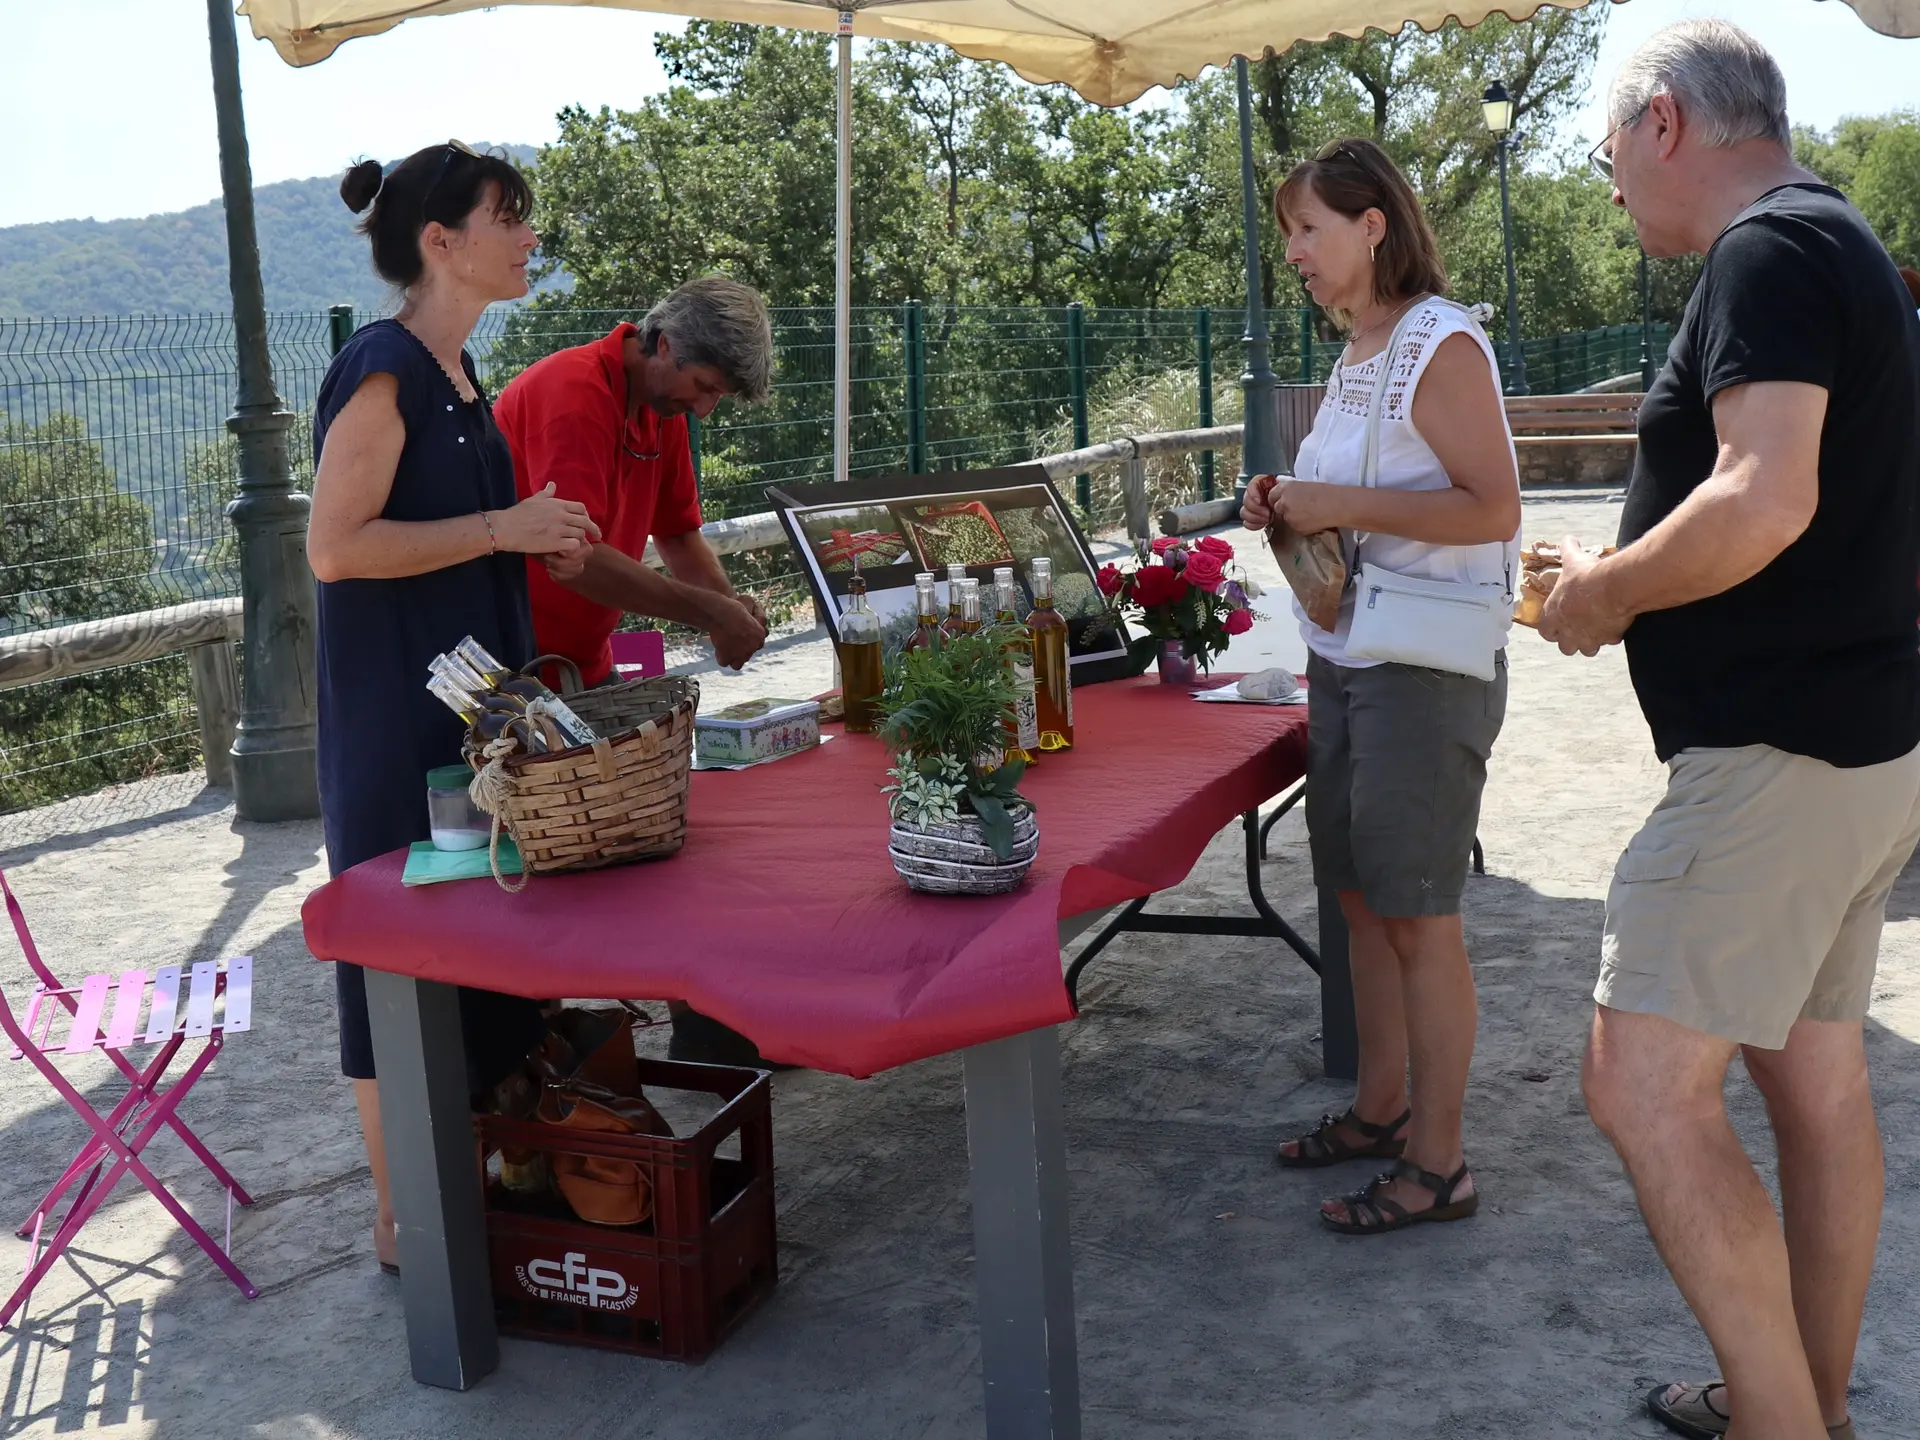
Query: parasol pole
843, 257
1260, 452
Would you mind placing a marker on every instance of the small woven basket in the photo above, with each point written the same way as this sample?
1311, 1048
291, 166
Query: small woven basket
622, 798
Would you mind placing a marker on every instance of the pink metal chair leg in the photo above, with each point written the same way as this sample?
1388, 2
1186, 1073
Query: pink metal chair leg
93, 1152
119, 1137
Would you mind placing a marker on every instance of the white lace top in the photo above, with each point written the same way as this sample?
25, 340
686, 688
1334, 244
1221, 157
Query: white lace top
1336, 449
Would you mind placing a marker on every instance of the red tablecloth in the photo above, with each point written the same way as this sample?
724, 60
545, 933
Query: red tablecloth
783, 917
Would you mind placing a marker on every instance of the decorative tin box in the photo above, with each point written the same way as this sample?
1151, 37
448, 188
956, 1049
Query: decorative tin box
756, 730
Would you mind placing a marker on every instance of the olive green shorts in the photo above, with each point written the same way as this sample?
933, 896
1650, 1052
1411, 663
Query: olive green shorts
1755, 893
1396, 760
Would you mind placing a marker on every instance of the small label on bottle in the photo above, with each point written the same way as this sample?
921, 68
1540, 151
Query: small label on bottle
1026, 710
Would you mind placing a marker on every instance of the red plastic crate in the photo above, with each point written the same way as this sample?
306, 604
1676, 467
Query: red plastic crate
673, 1287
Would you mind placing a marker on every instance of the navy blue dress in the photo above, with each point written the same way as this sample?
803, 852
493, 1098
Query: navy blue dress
380, 730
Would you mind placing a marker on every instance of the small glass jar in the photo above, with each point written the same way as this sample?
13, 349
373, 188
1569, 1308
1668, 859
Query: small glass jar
454, 821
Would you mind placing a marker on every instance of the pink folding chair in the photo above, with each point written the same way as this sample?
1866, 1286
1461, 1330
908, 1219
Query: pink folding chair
638, 654
119, 1137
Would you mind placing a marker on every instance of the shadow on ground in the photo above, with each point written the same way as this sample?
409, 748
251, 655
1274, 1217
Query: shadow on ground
1210, 1302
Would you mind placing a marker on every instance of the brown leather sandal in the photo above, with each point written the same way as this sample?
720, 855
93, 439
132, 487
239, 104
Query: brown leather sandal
1371, 1213
1323, 1145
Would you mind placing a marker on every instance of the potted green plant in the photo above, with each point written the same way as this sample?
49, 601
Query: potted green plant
960, 824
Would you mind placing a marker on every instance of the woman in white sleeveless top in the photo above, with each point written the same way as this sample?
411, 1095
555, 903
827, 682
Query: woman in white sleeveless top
1397, 754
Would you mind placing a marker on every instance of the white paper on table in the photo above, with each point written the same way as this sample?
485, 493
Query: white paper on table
1229, 694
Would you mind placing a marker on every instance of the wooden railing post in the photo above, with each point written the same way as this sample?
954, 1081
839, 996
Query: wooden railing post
216, 700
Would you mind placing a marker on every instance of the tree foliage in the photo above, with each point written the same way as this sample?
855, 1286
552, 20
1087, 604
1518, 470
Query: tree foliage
1875, 161
73, 547
972, 187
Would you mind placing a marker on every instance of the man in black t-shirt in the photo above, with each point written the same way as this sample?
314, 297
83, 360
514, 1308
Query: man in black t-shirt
1768, 591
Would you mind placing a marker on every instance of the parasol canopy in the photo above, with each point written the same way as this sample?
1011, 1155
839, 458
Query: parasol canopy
1110, 51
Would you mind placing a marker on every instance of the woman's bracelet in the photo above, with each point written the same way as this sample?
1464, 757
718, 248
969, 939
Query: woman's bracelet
493, 540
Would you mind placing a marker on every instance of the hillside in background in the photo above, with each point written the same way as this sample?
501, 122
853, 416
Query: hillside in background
177, 263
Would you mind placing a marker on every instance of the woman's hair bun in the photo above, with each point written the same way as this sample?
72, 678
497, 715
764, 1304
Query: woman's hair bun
360, 184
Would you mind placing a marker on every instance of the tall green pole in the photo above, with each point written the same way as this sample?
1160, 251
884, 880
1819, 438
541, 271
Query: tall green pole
1260, 443
1646, 326
916, 348
1516, 351
1077, 391
1203, 339
274, 741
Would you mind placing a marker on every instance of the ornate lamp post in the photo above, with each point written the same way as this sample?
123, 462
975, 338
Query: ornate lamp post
1646, 326
274, 742
1497, 108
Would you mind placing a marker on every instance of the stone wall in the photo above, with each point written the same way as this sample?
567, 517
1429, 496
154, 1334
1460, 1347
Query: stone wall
1577, 460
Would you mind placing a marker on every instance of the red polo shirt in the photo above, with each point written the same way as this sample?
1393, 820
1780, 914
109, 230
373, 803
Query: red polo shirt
565, 420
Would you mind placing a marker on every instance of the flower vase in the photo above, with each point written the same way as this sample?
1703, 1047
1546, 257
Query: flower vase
1176, 668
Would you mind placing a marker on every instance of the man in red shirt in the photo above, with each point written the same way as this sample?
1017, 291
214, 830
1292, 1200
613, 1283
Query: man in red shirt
606, 425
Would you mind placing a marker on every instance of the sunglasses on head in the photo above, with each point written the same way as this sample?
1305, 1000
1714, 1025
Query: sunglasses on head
452, 148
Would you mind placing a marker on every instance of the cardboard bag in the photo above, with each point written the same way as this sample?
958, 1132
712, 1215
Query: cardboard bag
1315, 569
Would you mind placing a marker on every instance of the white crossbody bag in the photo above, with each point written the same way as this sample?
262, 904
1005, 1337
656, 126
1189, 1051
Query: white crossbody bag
1442, 624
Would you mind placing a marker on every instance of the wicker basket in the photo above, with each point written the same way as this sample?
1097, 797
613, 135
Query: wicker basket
622, 798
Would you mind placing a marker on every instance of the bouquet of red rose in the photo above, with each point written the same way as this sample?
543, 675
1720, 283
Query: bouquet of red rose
1188, 591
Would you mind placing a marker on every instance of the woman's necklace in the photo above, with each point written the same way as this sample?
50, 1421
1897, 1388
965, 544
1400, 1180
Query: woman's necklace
1359, 335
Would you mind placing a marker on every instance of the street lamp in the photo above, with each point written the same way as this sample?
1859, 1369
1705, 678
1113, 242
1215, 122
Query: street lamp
1497, 108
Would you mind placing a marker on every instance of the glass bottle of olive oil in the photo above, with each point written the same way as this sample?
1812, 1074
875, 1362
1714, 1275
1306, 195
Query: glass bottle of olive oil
860, 662
956, 578
1023, 725
1052, 678
926, 635
971, 618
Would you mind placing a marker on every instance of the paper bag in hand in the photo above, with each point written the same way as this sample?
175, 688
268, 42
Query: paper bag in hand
1539, 573
1316, 571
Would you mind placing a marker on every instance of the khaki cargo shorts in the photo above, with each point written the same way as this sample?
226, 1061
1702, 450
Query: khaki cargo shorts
1755, 893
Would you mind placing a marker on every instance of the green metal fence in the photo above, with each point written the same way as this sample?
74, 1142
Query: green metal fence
116, 466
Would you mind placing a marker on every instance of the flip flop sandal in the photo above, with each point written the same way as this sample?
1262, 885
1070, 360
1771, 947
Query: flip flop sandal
1323, 1145
1698, 1413
1371, 1213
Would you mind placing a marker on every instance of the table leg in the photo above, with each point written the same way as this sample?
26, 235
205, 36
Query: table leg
1339, 1040
1023, 1266
428, 1120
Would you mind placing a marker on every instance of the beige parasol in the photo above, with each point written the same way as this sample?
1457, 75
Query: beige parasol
1110, 51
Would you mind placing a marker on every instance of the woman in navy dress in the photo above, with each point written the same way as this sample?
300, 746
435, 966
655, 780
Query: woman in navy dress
417, 540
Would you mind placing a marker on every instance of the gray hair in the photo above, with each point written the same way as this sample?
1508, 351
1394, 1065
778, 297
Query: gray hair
1730, 88
719, 322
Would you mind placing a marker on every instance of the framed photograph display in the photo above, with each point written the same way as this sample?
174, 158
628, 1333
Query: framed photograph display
900, 525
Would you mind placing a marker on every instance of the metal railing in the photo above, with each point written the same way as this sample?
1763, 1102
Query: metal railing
194, 645
115, 463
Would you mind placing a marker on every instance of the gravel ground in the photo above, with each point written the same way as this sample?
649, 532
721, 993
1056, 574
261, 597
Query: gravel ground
1209, 1302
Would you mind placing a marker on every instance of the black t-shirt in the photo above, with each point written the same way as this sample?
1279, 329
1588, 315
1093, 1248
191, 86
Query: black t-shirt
1818, 654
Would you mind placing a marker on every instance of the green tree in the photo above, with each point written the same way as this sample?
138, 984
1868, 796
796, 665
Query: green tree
73, 547
1875, 162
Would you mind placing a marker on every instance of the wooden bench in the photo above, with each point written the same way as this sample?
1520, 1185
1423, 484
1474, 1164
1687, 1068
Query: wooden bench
1573, 414
1574, 439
